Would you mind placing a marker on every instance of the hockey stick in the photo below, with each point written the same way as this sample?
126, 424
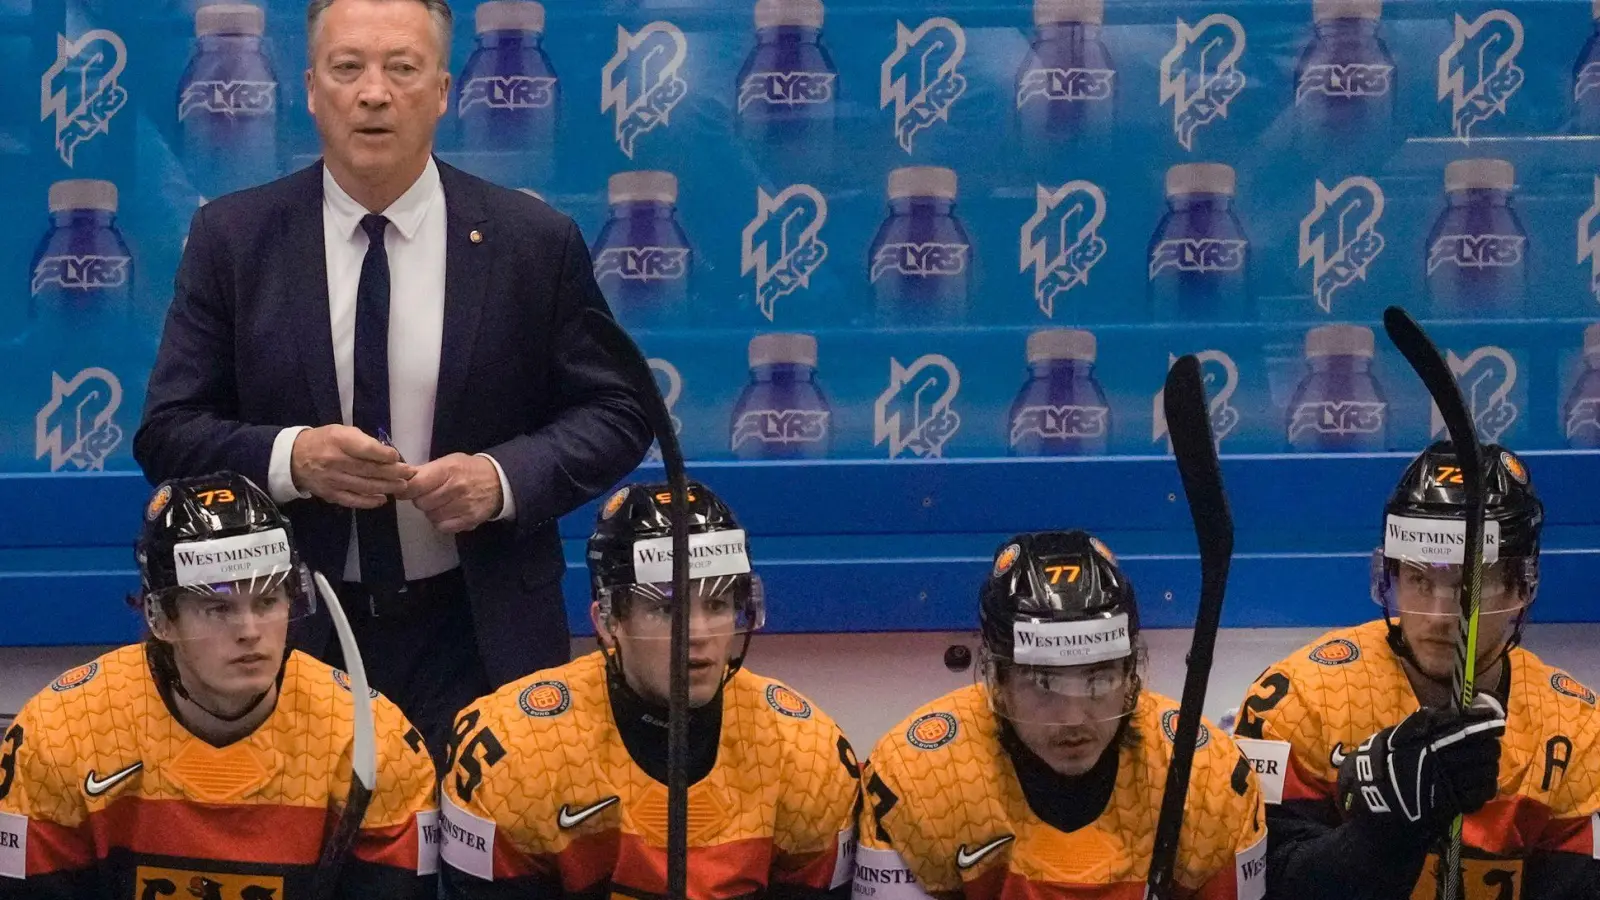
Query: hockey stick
1412, 342
1189, 423
616, 342
363, 754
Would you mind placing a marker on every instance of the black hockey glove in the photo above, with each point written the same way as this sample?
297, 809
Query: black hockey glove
1408, 782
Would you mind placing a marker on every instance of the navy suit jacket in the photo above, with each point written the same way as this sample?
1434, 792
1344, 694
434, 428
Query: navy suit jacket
247, 350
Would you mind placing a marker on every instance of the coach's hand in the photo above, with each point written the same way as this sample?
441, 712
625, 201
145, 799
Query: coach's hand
457, 492
346, 466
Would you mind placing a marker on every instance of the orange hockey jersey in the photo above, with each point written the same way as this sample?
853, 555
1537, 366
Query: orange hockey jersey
104, 794
544, 799
945, 816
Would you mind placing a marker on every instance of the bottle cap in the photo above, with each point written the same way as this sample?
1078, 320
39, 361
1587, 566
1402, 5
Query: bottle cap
1061, 343
1492, 174
1591, 341
644, 186
510, 15
1054, 12
1339, 340
1201, 178
229, 18
83, 193
795, 13
1324, 10
922, 181
795, 349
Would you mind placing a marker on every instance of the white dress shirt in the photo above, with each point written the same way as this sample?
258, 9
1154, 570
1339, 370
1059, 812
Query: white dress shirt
415, 241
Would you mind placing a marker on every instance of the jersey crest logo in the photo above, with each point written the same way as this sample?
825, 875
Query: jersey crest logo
788, 702
1061, 241
154, 882
641, 82
158, 503
1339, 237
74, 678
1562, 683
1169, 727
545, 699
966, 859
920, 76
342, 679
915, 413
781, 244
1487, 376
932, 731
1336, 652
1478, 72
88, 94
1220, 374
1006, 559
1200, 74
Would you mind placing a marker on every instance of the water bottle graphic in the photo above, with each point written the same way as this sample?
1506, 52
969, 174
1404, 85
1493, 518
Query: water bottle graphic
1338, 406
1062, 409
228, 101
788, 87
509, 95
1345, 78
1066, 87
66, 405
920, 261
1586, 80
642, 258
782, 413
1199, 255
1581, 412
1477, 250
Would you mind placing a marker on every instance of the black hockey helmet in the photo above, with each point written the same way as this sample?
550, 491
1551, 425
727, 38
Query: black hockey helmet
1432, 488
1057, 609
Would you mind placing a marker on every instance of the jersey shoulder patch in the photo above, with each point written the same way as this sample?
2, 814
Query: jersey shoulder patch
1562, 683
933, 730
1335, 652
786, 702
545, 699
76, 677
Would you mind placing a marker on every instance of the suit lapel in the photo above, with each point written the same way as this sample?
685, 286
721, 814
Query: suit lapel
309, 262
466, 276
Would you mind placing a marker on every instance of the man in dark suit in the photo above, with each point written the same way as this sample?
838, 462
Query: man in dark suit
398, 352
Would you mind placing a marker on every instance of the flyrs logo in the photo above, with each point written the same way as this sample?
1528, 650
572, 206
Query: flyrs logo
1486, 376
1200, 74
920, 76
1061, 241
508, 92
80, 89
781, 245
1339, 237
641, 83
915, 412
1073, 85
76, 425
1478, 72
1589, 239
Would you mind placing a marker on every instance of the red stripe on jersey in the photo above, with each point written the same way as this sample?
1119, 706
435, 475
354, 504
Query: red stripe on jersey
1223, 886
1570, 836
813, 870
1506, 826
56, 848
395, 846
999, 883
588, 860
1298, 784
274, 835
726, 870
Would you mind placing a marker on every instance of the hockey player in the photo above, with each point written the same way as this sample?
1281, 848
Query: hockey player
1045, 779
1364, 762
556, 784
203, 763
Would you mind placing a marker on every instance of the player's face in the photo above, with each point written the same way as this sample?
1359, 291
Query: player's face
377, 87
230, 644
1428, 606
1068, 717
644, 636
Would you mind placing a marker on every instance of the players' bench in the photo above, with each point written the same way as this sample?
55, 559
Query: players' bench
880, 546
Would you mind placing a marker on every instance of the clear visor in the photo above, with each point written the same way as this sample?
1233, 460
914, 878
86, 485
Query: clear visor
1434, 589
719, 606
1062, 695
230, 611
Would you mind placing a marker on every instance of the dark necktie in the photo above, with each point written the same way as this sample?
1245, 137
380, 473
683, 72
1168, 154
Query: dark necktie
377, 530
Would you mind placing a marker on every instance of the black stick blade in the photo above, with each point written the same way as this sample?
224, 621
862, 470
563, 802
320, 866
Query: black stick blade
1195, 448
1430, 366
616, 343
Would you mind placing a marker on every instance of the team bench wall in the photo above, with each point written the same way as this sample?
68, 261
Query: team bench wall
885, 546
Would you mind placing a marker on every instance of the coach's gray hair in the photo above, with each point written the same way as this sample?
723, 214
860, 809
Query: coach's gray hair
443, 25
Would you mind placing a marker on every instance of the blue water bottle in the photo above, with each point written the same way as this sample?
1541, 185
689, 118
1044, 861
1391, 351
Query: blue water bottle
228, 101
788, 87
1478, 249
77, 377
508, 95
1338, 406
1344, 81
1199, 255
782, 413
1586, 80
1066, 87
1581, 413
642, 257
1062, 410
921, 259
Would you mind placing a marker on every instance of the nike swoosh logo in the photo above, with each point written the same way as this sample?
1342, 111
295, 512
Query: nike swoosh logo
569, 818
966, 859
94, 787
1337, 755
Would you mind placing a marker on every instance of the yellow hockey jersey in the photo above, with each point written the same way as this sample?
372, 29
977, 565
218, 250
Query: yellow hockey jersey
104, 794
543, 797
1306, 712
945, 816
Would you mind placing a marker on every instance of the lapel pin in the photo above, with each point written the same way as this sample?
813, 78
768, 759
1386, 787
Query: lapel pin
476, 236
